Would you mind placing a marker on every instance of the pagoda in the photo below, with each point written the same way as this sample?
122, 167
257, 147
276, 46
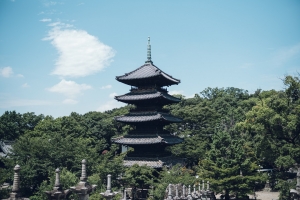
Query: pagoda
147, 117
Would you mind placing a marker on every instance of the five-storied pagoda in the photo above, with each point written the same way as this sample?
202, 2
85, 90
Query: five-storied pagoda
148, 117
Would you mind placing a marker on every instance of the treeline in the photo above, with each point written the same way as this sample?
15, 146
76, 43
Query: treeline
228, 135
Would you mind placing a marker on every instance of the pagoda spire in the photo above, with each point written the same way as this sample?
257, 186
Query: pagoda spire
149, 52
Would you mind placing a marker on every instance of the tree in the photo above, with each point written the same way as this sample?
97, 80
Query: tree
13, 124
230, 165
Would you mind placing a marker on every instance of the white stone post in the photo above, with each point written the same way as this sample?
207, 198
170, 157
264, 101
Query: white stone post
83, 171
183, 190
189, 195
124, 194
170, 192
57, 178
109, 182
207, 186
16, 182
83, 188
108, 194
203, 189
194, 189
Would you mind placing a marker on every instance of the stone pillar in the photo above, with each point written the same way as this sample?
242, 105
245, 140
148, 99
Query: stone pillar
189, 194
108, 194
83, 170
124, 195
203, 189
15, 190
15, 193
57, 192
207, 188
83, 188
57, 178
189, 197
176, 190
194, 189
170, 192
183, 191
199, 189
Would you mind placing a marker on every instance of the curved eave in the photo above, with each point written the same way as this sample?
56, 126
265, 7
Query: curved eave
133, 98
159, 80
168, 140
146, 73
148, 118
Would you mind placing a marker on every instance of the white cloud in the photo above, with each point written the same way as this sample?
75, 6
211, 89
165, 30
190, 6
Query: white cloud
173, 92
286, 54
69, 88
109, 105
70, 101
112, 95
176, 92
6, 72
25, 85
50, 3
80, 54
106, 87
45, 20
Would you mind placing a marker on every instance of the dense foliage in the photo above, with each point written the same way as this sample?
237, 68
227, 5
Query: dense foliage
228, 135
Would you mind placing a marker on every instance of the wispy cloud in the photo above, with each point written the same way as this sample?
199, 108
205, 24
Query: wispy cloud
50, 3
46, 20
7, 72
69, 89
25, 85
23, 102
80, 54
176, 92
112, 95
181, 92
70, 101
106, 87
111, 104
286, 54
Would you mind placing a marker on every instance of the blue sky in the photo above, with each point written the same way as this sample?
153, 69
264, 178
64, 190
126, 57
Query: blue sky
57, 57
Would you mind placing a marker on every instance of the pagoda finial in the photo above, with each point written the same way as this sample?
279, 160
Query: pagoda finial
149, 52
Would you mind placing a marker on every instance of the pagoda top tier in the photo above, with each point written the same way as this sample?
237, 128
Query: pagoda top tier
148, 74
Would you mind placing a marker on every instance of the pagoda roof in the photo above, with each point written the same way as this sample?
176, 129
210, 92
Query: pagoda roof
147, 139
5, 147
158, 162
133, 97
150, 72
147, 117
